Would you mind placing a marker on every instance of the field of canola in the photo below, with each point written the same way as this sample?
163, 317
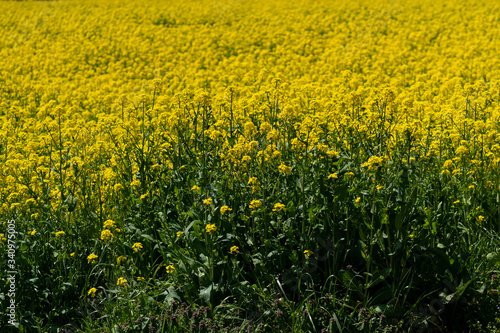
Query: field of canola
233, 166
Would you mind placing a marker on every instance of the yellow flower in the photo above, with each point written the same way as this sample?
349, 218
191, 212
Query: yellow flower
278, 207
379, 187
2, 238
91, 258
207, 201
246, 159
30, 200
179, 233
284, 169
32, 233
448, 165
92, 292
373, 162
122, 282
252, 180
144, 195
170, 269
235, 249
137, 246
411, 235
60, 233
255, 204
461, 150
72, 254
120, 259
333, 175
195, 188
456, 202
106, 235
358, 200
118, 187
140, 278
332, 153
224, 209
480, 218
308, 253
108, 224
210, 228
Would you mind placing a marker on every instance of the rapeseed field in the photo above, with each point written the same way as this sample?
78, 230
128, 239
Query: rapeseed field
250, 166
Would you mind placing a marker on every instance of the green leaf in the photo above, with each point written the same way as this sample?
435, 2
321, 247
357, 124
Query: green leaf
206, 293
24, 246
349, 280
404, 213
382, 296
492, 257
379, 277
257, 259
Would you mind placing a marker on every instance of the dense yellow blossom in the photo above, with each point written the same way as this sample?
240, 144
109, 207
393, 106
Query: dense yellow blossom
92, 258
122, 282
210, 228
99, 98
278, 207
106, 235
284, 169
225, 209
255, 204
108, 224
137, 246
120, 259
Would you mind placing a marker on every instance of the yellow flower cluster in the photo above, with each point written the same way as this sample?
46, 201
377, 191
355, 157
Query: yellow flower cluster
122, 282
255, 204
279, 207
210, 228
92, 292
373, 162
106, 235
224, 209
308, 253
92, 258
120, 259
284, 169
109, 224
137, 247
